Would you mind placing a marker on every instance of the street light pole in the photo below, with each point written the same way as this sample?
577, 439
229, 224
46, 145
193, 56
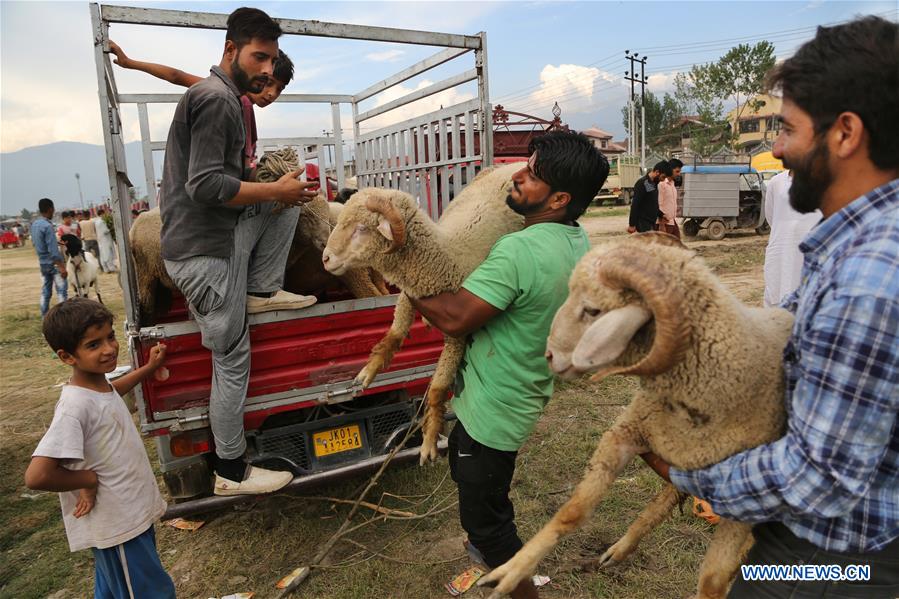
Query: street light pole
80, 195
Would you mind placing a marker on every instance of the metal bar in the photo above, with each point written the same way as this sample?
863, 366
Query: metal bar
430, 117
433, 205
443, 170
146, 150
338, 145
436, 88
402, 159
457, 154
421, 158
299, 484
116, 170
469, 147
417, 69
283, 98
412, 167
180, 18
486, 116
357, 139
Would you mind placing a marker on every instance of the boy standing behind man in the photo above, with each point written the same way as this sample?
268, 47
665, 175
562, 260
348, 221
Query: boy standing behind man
93, 456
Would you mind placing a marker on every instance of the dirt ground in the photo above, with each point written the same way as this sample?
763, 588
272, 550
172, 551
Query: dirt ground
248, 550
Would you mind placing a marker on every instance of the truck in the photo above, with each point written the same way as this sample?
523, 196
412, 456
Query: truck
304, 411
718, 197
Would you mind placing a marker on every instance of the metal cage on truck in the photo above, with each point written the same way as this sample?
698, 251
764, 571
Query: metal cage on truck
302, 362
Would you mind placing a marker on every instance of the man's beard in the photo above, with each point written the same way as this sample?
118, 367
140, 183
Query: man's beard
243, 81
811, 178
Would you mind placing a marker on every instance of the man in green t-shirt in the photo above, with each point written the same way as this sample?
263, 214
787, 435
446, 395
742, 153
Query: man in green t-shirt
505, 309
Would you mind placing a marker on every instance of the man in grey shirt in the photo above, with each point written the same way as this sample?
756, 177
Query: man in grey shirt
224, 246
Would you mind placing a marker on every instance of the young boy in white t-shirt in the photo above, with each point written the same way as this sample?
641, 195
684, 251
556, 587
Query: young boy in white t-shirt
93, 456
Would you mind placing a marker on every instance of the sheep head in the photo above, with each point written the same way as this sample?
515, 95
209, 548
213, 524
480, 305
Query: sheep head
313, 224
615, 291
372, 223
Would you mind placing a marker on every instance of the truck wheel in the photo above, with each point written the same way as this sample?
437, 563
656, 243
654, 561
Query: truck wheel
764, 229
716, 230
691, 228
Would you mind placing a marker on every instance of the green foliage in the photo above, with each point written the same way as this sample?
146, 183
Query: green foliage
107, 218
738, 77
661, 116
26, 215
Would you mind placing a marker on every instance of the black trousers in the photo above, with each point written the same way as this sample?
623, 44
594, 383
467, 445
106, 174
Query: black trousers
776, 544
483, 476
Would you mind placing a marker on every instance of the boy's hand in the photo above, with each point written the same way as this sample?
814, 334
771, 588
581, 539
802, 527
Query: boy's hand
121, 59
87, 498
157, 356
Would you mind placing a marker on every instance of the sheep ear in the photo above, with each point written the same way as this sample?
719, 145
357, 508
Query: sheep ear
384, 228
608, 337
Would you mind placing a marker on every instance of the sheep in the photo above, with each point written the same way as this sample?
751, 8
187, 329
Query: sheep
303, 273
83, 267
710, 385
385, 230
154, 285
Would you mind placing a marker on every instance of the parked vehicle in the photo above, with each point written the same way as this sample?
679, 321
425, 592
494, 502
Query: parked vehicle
8, 239
303, 411
720, 197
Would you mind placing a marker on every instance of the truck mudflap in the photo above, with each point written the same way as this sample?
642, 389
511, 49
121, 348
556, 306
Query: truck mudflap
300, 483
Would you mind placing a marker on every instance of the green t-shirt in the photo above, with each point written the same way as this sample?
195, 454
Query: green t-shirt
504, 380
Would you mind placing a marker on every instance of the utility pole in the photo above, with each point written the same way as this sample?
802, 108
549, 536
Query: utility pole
80, 195
632, 77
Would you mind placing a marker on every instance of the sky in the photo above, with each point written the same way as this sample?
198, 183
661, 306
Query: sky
538, 53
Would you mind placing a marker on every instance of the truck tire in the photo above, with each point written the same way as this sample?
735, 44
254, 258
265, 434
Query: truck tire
691, 228
624, 199
716, 230
764, 229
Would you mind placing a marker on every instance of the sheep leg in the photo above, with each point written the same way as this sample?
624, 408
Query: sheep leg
725, 553
450, 357
97, 290
382, 353
657, 511
617, 447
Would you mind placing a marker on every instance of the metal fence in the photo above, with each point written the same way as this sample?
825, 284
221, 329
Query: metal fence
430, 156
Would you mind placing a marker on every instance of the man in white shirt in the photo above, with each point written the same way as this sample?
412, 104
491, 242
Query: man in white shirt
783, 260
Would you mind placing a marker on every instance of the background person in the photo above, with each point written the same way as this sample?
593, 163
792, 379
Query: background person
46, 245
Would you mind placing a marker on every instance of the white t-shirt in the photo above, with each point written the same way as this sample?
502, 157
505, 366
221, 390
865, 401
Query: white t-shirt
783, 260
94, 431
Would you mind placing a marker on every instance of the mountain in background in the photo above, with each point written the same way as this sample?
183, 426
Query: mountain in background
48, 171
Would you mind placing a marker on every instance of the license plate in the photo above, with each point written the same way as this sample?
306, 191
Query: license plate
345, 438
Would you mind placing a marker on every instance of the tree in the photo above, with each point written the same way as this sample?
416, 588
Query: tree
25, 215
737, 77
661, 116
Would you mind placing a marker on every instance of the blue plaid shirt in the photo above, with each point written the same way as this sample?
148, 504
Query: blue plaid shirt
834, 478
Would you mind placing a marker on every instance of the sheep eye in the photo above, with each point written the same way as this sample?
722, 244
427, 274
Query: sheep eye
591, 312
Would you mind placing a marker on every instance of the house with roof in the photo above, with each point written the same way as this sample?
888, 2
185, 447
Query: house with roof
603, 140
756, 127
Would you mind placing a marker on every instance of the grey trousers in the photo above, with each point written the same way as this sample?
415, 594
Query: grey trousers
216, 290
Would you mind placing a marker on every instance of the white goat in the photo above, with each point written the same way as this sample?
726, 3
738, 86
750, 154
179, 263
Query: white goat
711, 385
385, 230
83, 267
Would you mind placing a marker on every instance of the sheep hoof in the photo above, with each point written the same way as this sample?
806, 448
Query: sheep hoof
427, 453
366, 376
614, 554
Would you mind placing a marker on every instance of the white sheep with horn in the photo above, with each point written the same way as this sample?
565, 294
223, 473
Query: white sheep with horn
710, 385
385, 230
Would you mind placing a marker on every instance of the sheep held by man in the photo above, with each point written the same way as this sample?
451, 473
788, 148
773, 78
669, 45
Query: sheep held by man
710, 385
83, 267
385, 230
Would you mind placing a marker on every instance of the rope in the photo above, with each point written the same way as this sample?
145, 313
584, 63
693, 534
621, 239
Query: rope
276, 164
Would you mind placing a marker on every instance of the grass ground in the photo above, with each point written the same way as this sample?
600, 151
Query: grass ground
248, 550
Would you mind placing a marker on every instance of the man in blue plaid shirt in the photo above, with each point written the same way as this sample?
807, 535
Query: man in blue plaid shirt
828, 491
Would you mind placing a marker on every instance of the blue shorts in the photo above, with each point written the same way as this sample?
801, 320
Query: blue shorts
132, 570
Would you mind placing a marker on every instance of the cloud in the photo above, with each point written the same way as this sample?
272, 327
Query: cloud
445, 98
573, 86
386, 56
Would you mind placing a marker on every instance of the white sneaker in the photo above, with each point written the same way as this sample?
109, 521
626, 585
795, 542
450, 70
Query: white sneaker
258, 482
282, 300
